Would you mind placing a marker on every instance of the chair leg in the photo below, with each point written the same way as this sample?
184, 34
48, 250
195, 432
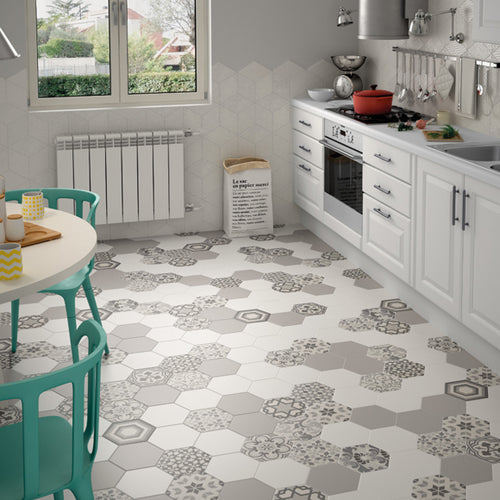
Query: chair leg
69, 301
14, 320
89, 293
59, 495
83, 488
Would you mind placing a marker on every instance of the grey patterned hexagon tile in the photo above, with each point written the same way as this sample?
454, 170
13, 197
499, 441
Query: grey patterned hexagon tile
266, 368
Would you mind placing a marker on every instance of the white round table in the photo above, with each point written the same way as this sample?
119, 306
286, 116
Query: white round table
49, 262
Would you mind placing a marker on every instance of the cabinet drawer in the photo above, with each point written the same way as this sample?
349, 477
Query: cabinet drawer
308, 187
307, 123
392, 160
387, 189
386, 237
308, 148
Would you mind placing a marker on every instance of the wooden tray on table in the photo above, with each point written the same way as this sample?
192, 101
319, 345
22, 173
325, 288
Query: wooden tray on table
37, 234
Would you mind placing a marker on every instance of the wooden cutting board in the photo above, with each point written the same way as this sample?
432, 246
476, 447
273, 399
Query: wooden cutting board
457, 138
37, 234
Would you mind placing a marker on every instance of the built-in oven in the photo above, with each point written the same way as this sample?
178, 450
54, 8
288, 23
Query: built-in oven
343, 189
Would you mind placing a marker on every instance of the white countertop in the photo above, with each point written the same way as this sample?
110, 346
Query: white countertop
412, 141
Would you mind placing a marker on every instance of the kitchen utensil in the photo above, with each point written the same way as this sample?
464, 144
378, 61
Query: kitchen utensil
321, 94
433, 93
426, 95
444, 81
345, 85
348, 64
397, 87
420, 91
410, 93
372, 102
402, 93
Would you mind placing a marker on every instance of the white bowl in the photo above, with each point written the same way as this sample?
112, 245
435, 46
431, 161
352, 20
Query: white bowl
321, 94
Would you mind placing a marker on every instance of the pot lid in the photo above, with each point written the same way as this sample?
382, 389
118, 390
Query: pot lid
374, 92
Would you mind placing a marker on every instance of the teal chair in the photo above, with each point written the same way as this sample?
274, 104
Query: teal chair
68, 288
45, 455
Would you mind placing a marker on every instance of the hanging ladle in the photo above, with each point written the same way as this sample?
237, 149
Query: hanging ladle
426, 95
434, 91
403, 92
420, 92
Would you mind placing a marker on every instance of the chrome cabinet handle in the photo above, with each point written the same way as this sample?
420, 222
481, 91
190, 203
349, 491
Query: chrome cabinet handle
114, 10
307, 150
303, 167
454, 217
304, 123
383, 214
380, 188
382, 157
123, 11
465, 195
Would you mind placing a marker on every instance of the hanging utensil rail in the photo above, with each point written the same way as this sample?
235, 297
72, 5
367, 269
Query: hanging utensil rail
446, 57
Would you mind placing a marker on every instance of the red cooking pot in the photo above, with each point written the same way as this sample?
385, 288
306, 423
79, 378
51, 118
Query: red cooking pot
372, 102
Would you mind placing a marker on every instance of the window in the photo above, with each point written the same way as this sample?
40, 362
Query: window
107, 53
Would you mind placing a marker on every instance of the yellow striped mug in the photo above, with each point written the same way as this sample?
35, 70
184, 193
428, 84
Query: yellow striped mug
11, 263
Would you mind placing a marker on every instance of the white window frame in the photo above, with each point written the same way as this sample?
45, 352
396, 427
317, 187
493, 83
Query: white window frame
120, 98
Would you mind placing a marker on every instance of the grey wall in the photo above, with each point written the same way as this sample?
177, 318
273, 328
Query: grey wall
273, 31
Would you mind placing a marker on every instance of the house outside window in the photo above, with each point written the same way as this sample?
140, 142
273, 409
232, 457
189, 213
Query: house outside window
98, 53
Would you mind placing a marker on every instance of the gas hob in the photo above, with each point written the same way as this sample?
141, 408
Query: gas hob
397, 114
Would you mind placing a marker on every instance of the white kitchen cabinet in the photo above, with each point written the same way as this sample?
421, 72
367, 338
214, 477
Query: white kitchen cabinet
457, 251
438, 248
481, 276
387, 207
385, 157
308, 162
308, 187
386, 237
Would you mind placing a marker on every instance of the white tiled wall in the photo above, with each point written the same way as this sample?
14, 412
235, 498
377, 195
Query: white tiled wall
250, 115
381, 65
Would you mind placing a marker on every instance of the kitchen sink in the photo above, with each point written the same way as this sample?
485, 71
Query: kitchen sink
486, 155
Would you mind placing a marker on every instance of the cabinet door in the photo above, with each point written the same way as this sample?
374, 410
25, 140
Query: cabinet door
308, 187
481, 307
386, 237
438, 241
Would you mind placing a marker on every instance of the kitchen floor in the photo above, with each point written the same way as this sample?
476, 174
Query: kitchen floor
267, 368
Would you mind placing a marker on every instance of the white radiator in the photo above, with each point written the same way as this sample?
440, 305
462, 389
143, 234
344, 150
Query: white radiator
138, 175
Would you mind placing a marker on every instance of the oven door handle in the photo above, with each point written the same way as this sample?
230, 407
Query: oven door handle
328, 145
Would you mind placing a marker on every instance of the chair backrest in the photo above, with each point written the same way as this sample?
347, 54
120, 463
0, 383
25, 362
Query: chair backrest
29, 390
53, 195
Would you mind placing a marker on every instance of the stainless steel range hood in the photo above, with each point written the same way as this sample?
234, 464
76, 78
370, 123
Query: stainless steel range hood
386, 19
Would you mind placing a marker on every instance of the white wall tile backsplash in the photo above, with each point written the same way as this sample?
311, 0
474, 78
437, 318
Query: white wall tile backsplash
381, 63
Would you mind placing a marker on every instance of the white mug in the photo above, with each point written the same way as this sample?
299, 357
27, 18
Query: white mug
14, 227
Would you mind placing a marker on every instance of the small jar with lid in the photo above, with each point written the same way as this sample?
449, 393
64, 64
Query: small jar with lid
14, 227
